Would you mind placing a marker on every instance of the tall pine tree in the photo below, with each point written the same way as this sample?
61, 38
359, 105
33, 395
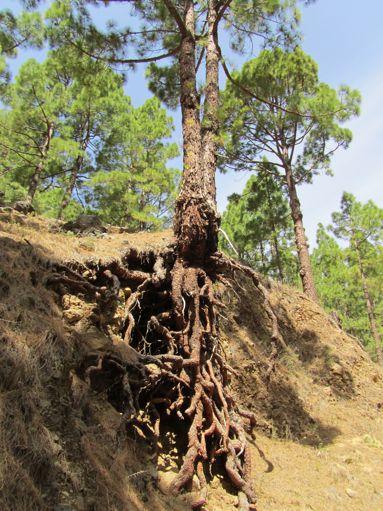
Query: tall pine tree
362, 226
276, 106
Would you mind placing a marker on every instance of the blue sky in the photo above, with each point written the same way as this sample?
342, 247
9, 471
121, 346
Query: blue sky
346, 39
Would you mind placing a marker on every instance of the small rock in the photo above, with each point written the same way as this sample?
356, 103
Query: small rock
23, 206
73, 308
337, 369
351, 493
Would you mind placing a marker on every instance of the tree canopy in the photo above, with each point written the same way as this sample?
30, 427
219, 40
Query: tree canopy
70, 137
258, 224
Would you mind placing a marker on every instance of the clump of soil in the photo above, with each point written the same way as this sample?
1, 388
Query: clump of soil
316, 396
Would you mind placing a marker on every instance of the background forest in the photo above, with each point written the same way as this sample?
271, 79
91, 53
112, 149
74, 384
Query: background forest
72, 142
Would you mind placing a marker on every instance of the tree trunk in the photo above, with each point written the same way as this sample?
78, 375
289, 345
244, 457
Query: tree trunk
196, 219
192, 336
76, 169
263, 258
72, 183
370, 309
210, 125
274, 236
276, 253
36, 176
305, 269
35, 180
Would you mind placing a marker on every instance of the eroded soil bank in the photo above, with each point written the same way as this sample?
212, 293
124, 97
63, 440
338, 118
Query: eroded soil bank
318, 443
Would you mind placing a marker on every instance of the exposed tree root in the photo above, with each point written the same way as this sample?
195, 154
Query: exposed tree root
178, 367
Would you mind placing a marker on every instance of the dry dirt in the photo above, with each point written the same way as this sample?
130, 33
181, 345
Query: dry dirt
318, 444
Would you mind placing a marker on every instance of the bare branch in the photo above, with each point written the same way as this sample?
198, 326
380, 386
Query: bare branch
221, 8
138, 60
176, 16
40, 105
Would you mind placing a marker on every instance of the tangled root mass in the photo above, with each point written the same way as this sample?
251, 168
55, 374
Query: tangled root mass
177, 366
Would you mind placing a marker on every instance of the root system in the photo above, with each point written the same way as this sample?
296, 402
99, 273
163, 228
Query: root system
164, 311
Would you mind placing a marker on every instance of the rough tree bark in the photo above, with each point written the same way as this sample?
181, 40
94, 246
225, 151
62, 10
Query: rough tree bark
210, 123
305, 268
370, 308
196, 230
36, 176
196, 220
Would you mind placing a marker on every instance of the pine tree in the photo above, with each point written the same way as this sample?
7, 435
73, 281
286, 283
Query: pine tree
92, 113
29, 126
188, 34
348, 277
73, 129
362, 226
276, 106
17, 32
333, 276
134, 187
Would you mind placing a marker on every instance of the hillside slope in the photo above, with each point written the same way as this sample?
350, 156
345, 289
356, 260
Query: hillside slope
318, 399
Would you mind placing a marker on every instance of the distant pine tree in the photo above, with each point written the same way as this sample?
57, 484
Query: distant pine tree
349, 279
259, 225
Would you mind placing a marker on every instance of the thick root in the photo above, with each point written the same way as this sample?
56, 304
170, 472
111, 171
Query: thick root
168, 319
